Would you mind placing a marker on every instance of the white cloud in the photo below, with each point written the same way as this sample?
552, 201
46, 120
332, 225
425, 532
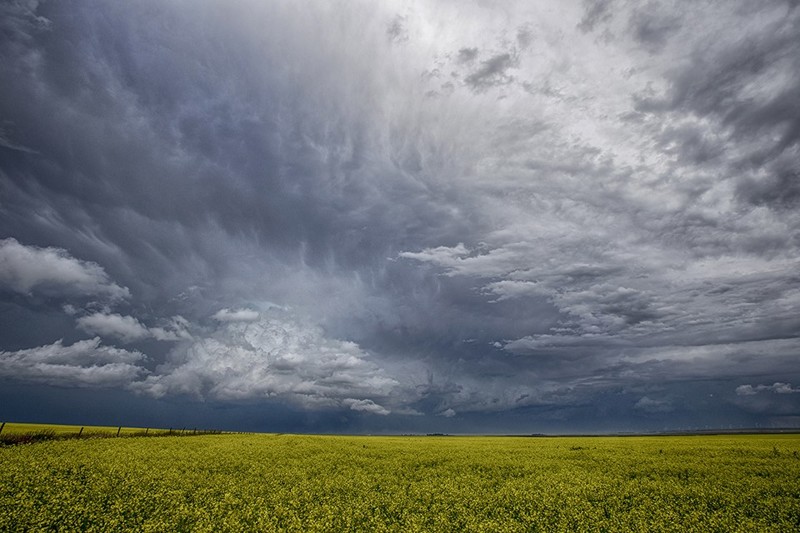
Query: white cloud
447, 256
52, 271
448, 413
275, 356
129, 329
126, 328
236, 315
777, 388
745, 390
84, 363
784, 388
365, 405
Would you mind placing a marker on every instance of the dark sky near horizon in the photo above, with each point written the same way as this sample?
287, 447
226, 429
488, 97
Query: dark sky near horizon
402, 216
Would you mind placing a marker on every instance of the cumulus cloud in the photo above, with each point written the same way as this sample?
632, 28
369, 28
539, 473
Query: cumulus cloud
126, 328
129, 329
85, 363
53, 272
236, 315
367, 406
275, 356
776, 388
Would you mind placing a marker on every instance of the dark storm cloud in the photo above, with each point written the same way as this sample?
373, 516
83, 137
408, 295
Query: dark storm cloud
304, 208
166, 171
596, 11
747, 87
189, 166
492, 72
467, 55
652, 27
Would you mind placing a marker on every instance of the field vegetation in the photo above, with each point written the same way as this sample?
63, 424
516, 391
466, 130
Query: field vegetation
12, 433
341, 483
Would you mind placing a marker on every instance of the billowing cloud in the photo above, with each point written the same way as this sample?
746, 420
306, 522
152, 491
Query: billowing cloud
128, 328
276, 356
367, 406
85, 363
52, 271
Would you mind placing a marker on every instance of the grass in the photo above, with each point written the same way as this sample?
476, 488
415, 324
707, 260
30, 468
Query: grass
337, 483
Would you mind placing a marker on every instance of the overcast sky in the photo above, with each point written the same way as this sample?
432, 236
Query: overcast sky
401, 216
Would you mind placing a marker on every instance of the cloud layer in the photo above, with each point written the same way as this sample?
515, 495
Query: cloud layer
550, 214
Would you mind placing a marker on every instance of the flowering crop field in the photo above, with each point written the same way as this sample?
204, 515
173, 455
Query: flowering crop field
59, 429
336, 483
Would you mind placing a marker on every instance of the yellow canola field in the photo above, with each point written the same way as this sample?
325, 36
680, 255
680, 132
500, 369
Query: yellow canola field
337, 483
63, 429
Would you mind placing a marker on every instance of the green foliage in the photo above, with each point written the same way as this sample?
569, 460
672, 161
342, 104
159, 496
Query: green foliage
333, 483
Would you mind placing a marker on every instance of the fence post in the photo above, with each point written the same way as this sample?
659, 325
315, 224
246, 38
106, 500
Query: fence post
118, 430
80, 432
2, 426
146, 430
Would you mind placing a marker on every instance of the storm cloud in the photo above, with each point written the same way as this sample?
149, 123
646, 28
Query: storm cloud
405, 216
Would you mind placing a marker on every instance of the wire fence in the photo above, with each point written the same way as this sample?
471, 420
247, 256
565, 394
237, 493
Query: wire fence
13, 433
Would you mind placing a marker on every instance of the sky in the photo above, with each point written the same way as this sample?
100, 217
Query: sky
456, 216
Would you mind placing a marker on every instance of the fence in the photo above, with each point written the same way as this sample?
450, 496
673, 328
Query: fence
18, 433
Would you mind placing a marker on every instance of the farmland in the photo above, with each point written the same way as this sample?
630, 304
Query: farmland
342, 483
73, 430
